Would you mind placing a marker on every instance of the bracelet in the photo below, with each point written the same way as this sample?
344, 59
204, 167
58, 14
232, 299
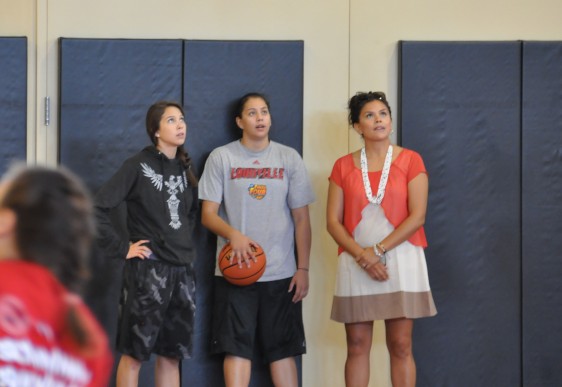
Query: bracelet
382, 256
381, 246
302, 268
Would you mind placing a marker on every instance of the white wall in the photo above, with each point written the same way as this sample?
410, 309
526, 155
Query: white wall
350, 45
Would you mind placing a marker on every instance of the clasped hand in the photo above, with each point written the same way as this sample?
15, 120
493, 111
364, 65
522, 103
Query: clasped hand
372, 264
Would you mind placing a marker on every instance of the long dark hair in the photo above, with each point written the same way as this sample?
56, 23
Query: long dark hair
153, 117
54, 228
55, 225
360, 99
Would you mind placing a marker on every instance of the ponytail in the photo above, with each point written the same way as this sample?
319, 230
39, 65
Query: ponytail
186, 164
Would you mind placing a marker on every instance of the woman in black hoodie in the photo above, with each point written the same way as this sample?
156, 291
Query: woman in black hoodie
157, 306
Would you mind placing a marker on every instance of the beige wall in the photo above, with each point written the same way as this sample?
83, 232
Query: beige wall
350, 45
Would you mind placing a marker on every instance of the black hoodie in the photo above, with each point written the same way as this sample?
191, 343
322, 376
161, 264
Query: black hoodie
161, 207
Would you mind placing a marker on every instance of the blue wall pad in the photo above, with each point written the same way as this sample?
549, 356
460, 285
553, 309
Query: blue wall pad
542, 213
106, 87
13, 100
216, 74
460, 109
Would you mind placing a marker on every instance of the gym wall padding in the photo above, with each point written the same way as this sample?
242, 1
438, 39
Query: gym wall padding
460, 109
216, 75
106, 88
13, 100
542, 213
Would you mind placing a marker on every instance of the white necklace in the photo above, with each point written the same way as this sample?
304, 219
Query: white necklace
384, 177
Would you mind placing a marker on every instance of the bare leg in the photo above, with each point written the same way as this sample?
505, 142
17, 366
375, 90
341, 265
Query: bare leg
128, 371
284, 372
167, 372
237, 371
357, 366
399, 343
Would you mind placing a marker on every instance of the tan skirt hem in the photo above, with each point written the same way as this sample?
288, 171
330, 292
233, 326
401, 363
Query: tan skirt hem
383, 307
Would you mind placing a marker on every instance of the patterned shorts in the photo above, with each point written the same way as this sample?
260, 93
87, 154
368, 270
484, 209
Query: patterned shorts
156, 310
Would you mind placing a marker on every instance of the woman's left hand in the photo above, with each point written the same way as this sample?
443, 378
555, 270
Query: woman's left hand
377, 271
372, 264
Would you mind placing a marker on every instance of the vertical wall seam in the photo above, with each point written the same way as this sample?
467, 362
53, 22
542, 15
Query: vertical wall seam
349, 67
521, 220
183, 50
47, 47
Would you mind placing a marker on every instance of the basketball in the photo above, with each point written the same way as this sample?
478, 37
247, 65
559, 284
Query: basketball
241, 276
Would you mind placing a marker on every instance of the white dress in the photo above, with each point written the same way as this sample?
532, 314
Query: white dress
406, 293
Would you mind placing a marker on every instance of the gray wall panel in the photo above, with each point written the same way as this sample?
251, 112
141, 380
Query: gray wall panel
107, 85
216, 74
13, 100
460, 108
542, 213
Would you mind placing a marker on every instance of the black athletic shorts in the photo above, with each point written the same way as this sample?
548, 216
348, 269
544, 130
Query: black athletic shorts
262, 314
157, 309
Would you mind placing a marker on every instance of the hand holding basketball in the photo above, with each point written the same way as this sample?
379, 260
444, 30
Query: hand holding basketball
245, 274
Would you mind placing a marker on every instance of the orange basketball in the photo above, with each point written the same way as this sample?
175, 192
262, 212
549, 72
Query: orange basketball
244, 275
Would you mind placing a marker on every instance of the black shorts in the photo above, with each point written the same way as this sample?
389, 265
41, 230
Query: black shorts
156, 310
262, 314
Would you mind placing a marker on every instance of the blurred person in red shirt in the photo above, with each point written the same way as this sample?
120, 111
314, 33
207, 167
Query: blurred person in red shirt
48, 336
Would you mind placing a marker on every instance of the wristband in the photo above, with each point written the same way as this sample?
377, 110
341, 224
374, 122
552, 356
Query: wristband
302, 268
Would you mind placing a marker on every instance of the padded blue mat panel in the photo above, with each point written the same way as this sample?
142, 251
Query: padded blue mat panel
460, 109
216, 74
542, 213
13, 100
106, 87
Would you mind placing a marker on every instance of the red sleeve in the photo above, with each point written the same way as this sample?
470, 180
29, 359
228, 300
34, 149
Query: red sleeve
336, 175
416, 166
408, 164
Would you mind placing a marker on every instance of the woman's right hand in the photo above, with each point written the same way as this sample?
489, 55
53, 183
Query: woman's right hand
372, 264
138, 250
242, 252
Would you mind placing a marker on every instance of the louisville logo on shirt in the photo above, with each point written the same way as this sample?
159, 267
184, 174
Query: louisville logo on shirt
257, 173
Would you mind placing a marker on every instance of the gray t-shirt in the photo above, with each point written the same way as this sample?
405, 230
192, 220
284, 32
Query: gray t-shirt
256, 192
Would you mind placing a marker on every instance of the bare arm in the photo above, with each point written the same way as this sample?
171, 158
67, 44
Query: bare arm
417, 206
303, 237
334, 219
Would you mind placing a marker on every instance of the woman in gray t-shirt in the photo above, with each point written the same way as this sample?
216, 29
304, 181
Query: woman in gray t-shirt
256, 192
